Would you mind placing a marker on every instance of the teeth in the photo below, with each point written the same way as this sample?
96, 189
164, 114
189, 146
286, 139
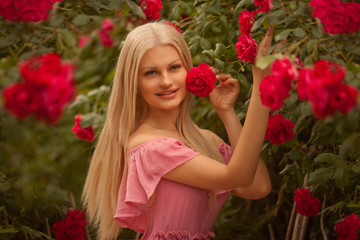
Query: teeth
167, 93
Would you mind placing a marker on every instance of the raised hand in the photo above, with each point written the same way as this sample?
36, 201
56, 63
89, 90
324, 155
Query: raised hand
224, 96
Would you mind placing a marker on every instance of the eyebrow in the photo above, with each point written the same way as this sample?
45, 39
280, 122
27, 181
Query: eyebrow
171, 63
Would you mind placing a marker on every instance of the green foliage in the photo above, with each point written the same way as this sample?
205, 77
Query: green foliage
43, 168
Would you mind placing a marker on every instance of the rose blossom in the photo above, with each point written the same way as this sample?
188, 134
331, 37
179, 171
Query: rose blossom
107, 24
83, 133
83, 40
337, 17
151, 9
174, 26
73, 227
246, 21
305, 203
265, 5
279, 130
200, 80
47, 87
26, 11
274, 88
106, 39
323, 86
21, 99
246, 48
347, 229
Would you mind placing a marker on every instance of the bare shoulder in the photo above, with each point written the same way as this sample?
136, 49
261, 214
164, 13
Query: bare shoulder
209, 134
138, 139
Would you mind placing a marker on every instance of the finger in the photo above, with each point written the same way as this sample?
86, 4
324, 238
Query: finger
265, 44
215, 71
280, 46
223, 76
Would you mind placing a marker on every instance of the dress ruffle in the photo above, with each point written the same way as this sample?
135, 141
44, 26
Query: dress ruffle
183, 236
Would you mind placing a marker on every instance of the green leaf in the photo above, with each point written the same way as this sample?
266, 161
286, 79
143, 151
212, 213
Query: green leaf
209, 52
136, 9
355, 169
81, 20
263, 62
240, 5
299, 32
8, 230
205, 44
283, 34
219, 48
329, 158
213, 11
341, 176
219, 65
321, 175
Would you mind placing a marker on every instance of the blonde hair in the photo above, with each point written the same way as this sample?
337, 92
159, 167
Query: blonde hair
125, 111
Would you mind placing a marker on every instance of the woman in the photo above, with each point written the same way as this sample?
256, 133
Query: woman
153, 169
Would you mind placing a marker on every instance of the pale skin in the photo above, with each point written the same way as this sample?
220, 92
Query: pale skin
161, 82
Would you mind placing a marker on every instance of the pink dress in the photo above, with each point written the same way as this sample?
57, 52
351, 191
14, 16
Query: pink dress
179, 211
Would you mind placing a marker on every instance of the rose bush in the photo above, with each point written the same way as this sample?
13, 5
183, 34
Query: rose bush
43, 166
73, 227
305, 203
279, 130
348, 228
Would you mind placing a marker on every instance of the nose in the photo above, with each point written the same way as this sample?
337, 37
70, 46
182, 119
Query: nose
165, 81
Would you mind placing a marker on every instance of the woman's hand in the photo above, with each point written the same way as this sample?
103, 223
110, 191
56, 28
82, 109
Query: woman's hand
263, 49
223, 96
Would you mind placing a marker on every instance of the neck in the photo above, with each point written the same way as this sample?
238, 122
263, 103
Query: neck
162, 119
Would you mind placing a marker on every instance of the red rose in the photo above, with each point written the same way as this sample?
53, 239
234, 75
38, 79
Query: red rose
73, 227
27, 11
343, 98
200, 80
265, 5
246, 48
151, 9
337, 17
83, 133
21, 99
106, 39
347, 229
246, 21
279, 130
323, 87
48, 87
274, 88
305, 203
171, 24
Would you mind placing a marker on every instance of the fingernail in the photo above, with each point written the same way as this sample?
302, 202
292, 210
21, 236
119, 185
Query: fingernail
270, 27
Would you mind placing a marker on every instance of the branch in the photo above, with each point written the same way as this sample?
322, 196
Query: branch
322, 219
291, 221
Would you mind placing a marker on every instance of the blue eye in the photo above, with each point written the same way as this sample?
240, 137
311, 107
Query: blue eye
175, 67
150, 73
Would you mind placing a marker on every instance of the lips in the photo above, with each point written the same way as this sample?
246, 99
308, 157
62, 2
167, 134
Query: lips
167, 92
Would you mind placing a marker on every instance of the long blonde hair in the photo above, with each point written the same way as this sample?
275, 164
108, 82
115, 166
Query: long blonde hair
125, 111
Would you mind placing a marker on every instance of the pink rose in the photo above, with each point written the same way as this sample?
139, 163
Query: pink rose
305, 203
107, 24
83, 40
21, 99
347, 229
73, 227
26, 11
246, 21
151, 9
246, 48
279, 130
200, 80
83, 133
106, 39
265, 5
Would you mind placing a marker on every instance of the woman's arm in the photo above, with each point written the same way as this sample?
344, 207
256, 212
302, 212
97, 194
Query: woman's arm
207, 173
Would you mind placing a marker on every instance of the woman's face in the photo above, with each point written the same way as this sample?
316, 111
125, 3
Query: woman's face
161, 78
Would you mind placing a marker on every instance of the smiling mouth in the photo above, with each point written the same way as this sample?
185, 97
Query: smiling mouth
167, 93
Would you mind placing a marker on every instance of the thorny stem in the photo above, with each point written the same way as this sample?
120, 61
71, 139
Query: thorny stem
322, 219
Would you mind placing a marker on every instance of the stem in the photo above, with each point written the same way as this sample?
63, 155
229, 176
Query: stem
322, 219
303, 227
271, 231
291, 221
47, 226
297, 226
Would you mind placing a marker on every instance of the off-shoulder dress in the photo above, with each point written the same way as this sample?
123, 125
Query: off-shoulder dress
179, 211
